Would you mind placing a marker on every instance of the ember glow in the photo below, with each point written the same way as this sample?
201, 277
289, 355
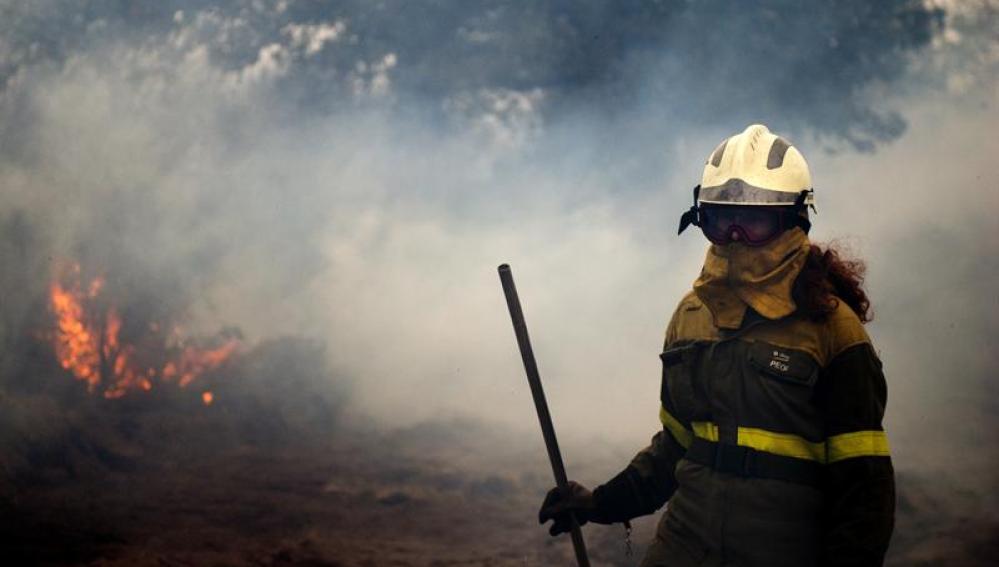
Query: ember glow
193, 362
88, 343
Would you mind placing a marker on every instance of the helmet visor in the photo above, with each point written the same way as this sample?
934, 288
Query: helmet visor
754, 226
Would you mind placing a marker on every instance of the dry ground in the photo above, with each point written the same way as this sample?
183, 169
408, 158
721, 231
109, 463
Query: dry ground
164, 487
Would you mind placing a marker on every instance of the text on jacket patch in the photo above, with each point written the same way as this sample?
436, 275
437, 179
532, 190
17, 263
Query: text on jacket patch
779, 361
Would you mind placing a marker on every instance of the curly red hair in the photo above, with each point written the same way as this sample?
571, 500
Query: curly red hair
828, 278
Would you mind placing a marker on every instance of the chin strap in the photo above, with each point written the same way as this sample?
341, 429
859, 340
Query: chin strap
690, 217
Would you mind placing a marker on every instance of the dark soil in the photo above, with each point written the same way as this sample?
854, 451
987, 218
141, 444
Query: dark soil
162, 487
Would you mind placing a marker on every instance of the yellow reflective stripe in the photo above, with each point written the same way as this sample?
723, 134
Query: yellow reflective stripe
857, 444
676, 429
705, 430
836, 448
781, 444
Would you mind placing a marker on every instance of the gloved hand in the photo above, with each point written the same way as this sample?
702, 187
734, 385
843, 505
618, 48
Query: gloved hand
577, 500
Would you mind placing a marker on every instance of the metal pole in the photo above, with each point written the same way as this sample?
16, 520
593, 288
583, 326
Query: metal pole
534, 379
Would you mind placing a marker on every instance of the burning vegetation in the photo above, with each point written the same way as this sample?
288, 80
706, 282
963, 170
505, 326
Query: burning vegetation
136, 472
89, 342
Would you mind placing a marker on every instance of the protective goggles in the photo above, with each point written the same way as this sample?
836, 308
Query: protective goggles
749, 224
753, 226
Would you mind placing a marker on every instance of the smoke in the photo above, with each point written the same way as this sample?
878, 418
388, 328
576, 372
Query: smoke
355, 173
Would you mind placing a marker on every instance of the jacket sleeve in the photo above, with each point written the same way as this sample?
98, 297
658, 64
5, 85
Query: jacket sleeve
859, 483
649, 480
644, 485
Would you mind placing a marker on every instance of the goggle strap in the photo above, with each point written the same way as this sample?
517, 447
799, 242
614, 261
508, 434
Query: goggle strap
799, 202
804, 223
691, 216
799, 206
688, 218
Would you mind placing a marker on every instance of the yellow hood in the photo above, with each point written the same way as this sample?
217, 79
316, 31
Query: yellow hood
736, 276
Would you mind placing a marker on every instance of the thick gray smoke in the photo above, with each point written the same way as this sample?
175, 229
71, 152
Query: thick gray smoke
355, 171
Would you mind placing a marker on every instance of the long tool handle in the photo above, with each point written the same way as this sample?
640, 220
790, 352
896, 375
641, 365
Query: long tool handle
534, 379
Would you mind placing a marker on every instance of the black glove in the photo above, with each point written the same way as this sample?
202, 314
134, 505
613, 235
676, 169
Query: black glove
577, 500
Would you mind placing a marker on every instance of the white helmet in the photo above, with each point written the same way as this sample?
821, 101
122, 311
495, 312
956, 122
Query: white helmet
754, 168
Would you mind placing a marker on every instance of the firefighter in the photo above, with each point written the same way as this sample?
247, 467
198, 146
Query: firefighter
772, 450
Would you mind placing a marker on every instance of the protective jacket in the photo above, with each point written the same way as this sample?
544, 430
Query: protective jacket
771, 451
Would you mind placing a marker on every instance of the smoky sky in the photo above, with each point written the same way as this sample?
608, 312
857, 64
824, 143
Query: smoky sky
353, 172
805, 63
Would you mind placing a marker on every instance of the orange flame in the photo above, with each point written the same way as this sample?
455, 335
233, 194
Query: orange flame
207, 397
76, 343
90, 347
193, 362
